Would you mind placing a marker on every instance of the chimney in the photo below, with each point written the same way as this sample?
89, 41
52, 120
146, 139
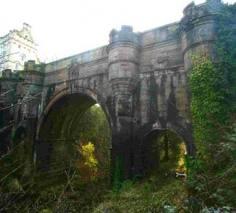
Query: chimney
26, 27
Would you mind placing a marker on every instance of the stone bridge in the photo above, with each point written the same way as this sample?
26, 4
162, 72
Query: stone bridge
139, 79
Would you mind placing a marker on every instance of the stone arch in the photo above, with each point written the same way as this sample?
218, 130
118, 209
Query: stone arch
152, 129
162, 150
84, 98
94, 95
185, 131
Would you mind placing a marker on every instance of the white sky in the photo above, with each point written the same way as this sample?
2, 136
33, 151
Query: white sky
67, 27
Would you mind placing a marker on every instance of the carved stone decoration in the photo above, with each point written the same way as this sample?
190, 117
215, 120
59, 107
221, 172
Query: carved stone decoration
73, 70
161, 62
73, 75
124, 105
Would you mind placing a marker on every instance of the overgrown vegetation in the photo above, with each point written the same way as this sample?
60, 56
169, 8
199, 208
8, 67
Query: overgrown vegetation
75, 187
213, 84
93, 128
155, 194
84, 184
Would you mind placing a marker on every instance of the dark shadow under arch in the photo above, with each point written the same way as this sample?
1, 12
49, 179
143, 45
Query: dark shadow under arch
150, 130
65, 92
57, 126
161, 151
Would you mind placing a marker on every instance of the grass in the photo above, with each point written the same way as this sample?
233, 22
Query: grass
152, 195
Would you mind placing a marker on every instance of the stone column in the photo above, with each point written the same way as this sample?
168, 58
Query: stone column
123, 53
198, 33
32, 84
198, 28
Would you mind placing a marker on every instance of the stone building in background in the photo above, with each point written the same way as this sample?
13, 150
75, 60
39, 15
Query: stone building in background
16, 48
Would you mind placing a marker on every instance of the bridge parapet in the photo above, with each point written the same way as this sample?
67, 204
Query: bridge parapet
91, 56
163, 34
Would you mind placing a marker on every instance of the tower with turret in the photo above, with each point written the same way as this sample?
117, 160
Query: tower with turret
17, 47
123, 73
198, 30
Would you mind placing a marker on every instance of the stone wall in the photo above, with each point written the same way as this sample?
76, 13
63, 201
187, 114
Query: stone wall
140, 80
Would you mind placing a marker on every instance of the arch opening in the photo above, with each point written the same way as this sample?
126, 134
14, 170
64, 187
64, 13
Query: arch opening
74, 139
164, 153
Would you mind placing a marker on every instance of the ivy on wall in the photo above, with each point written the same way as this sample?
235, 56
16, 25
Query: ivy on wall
213, 106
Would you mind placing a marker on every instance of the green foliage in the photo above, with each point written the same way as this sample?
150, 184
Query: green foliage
14, 185
156, 194
46, 211
117, 175
87, 152
231, 146
93, 127
87, 163
213, 84
60, 189
164, 153
209, 105
226, 30
211, 173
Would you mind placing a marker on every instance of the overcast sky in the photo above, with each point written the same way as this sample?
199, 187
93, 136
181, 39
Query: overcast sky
66, 27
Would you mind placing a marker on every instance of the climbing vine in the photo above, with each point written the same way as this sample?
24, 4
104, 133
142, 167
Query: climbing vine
213, 87
209, 103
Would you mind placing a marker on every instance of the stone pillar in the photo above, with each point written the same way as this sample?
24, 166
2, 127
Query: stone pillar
28, 110
198, 33
123, 53
198, 27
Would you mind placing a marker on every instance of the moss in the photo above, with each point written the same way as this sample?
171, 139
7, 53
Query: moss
149, 196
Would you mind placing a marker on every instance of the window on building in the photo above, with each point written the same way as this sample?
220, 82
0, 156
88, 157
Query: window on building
23, 56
